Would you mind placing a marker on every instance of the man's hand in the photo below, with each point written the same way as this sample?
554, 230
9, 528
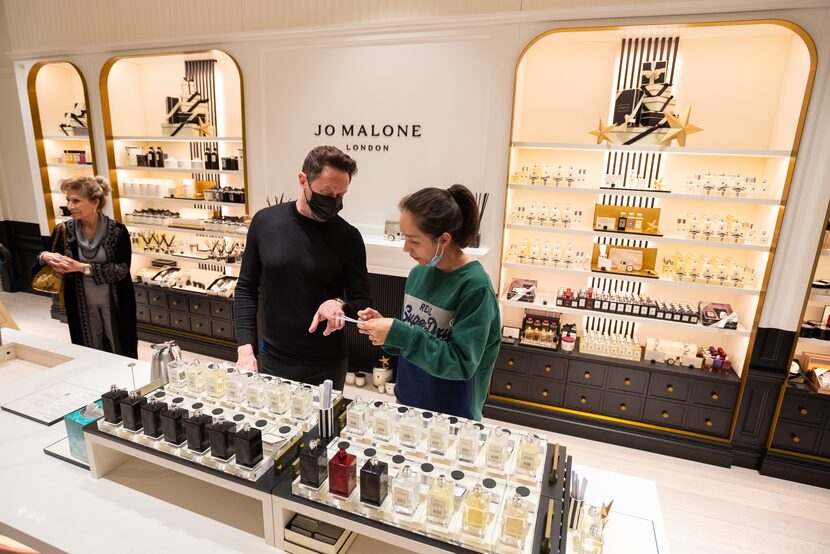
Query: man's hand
368, 313
246, 359
377, 329
329, 311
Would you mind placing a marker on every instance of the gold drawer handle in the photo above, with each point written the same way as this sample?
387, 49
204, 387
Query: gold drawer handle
178, 322
510, 362
583, 400
587, 374
221, 329
715, 396
196, 306
547, 369
198, 325
665, 414
623, 407
627, 381
670, 388
708, 422
796, 438
545, 392
508, 386
802, 410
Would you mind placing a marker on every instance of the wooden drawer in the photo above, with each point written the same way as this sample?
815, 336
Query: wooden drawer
157, 298
200, 325
586, 373
513, 360
142, 313
159, 317
824, 445
180, 321
670, 387
803, 409
177, 302
508, 384
623, 406
586, 399
549, 367
140, 296
623, 379
198, 306
792, 436
661, 412
546, 391
221, 310
222, 330
717, 395
709, 421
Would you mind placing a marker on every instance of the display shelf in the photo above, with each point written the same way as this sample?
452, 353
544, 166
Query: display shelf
825, 252
85, 166
179, 170
378, 240
644, 237
649, 194
661, 281
66, 139
185, 230
178, 139
816, 297
735, 152
813, 342
186, 258
741, 331
182, 200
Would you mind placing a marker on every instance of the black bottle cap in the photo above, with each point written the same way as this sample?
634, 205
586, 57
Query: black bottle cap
217, 411
523, 491
489, 483
284, 429
250, 374
178, 400
238, 417
398, 459
160, 394
230, 370
480, 426
198, 406
457, 474
261, 423
402, 409
427, 467
344, 445
426, 415
370, 452
453, 420
378, 404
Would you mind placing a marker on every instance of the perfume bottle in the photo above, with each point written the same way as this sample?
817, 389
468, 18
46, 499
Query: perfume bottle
131, 411
514, 521
176, 374
476, 503
195, 430
302, 402
409, 429
439, 434
279, 395
215, 380
172, 425
374, 481
219, 437
406, 491
195, 373
313, 464
467, 442
111, 402
256, 392
530, 449
440, 501
236, 385
247, 444
591, 540
342, 473
151, 417
356, 416
383, 423
497, 448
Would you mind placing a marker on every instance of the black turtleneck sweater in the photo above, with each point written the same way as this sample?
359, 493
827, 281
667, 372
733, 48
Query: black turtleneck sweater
301, 263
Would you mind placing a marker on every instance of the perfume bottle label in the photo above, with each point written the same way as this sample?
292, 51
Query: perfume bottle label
402, 497
382, 427
496, 456
514, 526
475, 517
439, 508
354, 420
409, 434
437, 441
527, 460
466, 447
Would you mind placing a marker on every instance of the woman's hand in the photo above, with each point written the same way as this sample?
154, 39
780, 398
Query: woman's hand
367, 314
377, 329
71, 265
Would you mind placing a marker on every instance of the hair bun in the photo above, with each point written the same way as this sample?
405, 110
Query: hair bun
104, 184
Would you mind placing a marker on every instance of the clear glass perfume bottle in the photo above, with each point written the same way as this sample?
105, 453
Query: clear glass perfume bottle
195, 374
215, 380
176, 374
440, 501
302, 402
278, 394
467, 442
497, 448
591, 539
409, 429
476, 504
356, 416
514, 521
383, 423
256, 392
406, 489
439, 435
236, 384
530, 449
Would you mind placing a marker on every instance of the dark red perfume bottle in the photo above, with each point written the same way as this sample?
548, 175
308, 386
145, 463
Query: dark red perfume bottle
131, 411
342, 473
151, 417
172, 424
313, 464
111, 402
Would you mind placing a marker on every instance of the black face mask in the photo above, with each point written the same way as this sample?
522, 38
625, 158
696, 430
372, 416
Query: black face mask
324, 207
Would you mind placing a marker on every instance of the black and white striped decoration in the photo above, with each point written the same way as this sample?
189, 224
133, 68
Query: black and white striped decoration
203, 74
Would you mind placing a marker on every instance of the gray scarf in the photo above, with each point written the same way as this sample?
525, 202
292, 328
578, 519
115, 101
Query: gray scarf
88, 248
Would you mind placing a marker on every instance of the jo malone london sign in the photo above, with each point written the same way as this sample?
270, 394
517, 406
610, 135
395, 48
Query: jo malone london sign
372, 131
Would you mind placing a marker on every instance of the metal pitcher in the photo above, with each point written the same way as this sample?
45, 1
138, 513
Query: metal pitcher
163, 354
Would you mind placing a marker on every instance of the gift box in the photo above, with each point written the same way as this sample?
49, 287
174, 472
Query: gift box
715, 313
653, 72
75, 423
625, 103
522, 290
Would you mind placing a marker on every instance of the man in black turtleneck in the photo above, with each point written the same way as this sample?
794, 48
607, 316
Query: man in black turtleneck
311, 266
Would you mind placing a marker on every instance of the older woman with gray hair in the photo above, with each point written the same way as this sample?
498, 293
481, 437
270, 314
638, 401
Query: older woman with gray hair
95, 261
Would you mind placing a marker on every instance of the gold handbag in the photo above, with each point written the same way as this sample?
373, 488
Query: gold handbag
47, 279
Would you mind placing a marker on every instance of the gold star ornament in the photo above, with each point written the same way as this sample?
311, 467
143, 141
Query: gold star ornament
205, 129
603, 132
680, 127
657, 184
384, 362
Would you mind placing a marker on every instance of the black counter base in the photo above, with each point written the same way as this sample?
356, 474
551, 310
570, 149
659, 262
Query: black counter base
793, 468
679, 446
206, 347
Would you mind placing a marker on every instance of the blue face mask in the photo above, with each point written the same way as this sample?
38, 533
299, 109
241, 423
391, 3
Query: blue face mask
437, 257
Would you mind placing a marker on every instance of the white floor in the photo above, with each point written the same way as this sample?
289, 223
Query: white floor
706, 509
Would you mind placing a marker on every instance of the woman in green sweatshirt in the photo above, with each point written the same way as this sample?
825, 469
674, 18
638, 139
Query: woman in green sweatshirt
448, 336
